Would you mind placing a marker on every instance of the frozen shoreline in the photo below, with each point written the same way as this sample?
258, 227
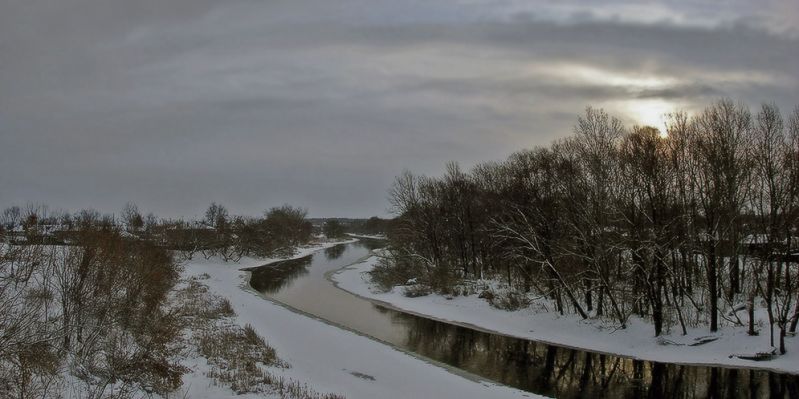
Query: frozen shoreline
636, 341
327, 358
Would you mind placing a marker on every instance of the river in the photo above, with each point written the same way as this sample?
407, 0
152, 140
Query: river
303, 285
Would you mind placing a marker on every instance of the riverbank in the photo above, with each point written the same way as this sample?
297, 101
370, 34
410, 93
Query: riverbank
326, 358
636, 341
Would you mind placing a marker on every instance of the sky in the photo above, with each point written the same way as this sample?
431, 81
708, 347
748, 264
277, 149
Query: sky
173, 104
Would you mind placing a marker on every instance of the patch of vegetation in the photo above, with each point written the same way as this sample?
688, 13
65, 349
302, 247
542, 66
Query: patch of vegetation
417, 290
393, 271
95, 311
235, 354
238, 357
333, 229
198, 307
509, 300
89, 305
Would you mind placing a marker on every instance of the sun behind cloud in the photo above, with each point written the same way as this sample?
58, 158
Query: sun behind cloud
650, 112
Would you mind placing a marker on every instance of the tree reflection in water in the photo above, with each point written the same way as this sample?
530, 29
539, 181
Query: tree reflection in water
335, 252
272, 278
369, 243
568, 373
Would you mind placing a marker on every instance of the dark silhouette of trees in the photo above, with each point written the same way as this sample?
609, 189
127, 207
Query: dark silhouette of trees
682, 227
333, 229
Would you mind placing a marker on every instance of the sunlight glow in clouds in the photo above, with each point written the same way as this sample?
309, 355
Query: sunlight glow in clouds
594, 75
636, 111
634, 82
650, 112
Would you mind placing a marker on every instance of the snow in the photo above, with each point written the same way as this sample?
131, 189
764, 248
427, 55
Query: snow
368, 236
329, 359
636, 341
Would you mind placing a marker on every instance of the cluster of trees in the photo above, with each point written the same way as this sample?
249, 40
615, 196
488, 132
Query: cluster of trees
87, 293
686, 227
337, 227
96, 308
372, 226
37, 223
332, 228
278, 232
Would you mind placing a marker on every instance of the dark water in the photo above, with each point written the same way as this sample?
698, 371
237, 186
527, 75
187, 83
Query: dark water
535, 367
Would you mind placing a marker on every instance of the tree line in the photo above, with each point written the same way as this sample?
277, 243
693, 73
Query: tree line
685, 227
276, 233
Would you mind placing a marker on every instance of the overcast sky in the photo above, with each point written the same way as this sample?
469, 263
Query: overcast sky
173, 104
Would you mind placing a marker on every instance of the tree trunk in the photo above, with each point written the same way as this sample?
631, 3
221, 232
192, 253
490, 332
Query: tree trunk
657, 295
769, 300
554, 273
712, 284
600, 311
750, 308
782, 339
679, 312
795, 318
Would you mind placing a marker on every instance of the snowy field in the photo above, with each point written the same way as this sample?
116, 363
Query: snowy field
327, 358
636, 341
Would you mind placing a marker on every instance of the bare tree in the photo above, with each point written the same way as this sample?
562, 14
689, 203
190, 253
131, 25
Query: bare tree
721, 150
613, 222
595, 148
132, 218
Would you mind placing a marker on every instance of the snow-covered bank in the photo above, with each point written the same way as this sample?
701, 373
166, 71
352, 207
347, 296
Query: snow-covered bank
636, 341
368, 236
327, 358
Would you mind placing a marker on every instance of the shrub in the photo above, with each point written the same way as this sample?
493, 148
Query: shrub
509, 300
395, 270
417, 290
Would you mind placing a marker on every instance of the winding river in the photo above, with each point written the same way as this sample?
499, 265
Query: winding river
303, 285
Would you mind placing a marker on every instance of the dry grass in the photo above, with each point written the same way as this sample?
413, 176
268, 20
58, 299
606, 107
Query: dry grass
233, 347
238, 357
198, 307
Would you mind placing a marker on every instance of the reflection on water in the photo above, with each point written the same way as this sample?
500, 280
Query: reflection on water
335, 252
279, 275
545, 369
370, 244
567, 373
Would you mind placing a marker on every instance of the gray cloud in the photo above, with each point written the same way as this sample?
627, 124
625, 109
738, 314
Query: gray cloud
176, 104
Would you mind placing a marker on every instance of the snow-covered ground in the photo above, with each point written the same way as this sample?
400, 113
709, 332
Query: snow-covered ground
327, 358
636, 341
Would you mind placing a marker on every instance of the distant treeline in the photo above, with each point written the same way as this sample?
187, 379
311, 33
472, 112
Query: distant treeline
277, 232
680, 226
339, 226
